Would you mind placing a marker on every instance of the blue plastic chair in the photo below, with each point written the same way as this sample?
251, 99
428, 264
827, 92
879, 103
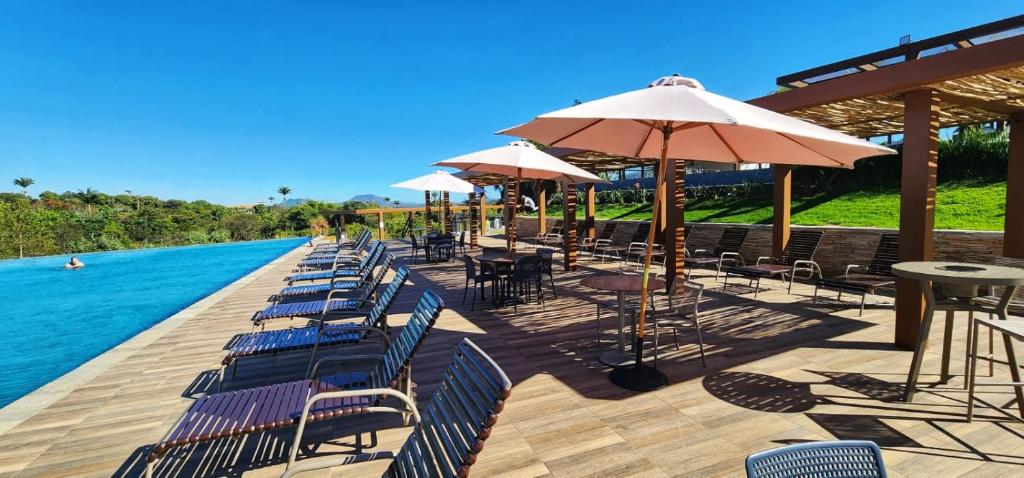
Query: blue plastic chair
823, 459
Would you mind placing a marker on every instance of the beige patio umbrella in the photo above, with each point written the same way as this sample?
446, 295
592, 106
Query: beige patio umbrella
675, 117
520, 160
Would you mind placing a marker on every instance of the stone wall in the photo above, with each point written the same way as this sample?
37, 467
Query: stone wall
839, 246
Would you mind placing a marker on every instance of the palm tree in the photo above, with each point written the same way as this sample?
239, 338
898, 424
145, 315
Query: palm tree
270, 199
24, 183
387, 200
284, 191
89, 197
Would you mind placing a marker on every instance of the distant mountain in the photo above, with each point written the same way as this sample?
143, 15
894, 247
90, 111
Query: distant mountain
295, 202
379, 200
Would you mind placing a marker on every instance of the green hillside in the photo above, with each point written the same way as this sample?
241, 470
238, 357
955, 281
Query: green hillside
959, 205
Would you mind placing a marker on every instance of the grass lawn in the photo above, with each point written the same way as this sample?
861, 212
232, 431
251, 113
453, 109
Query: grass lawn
958, 206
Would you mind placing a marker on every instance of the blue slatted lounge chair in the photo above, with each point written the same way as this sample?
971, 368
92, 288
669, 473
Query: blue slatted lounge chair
364, 233
373, 326
336, 259
725, 253
338, 302
357, 246
858, 458
284, 405
797, 259
450, 431
353, 271
866, 280
337, 283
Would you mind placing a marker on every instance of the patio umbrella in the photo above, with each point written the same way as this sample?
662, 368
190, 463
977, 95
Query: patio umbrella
520, 160
693, 124
439, 181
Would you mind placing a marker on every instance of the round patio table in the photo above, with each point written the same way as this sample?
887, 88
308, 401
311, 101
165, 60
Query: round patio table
621, 285
959, 284
507, 259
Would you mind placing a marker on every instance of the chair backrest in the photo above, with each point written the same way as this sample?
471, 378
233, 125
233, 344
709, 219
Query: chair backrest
361, 239
684, 298
527, 267
801, 246
886, 254
415, 243
462, 239
400, 351
1018, 294
731, 240
368, 288
823, 458
642, 230
608, 231
387, 298
373, 256
557, 228
459, 418
470, 266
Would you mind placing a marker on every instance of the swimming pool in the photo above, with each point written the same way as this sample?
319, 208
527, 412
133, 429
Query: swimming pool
54, 320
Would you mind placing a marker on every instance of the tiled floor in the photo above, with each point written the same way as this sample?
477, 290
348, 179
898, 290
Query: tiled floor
780, 370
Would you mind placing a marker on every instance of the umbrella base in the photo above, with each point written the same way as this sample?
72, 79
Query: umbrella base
640, 378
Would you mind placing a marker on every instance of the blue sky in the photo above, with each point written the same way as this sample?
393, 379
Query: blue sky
226, 101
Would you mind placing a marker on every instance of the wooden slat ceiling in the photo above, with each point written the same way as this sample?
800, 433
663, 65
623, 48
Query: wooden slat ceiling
974, 99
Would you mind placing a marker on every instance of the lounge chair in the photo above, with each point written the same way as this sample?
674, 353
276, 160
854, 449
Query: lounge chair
820, 458
797, 258
587, 245
619, 253
726, 252
554, 233
364, 233
376, 249
324, 333
338, 283
337, 302
241, 412
862, 280
357, 245
450, 431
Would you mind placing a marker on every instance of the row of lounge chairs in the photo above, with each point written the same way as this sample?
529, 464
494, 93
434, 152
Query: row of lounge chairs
449, 432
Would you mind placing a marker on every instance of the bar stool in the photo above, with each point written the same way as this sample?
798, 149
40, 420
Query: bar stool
1009, 328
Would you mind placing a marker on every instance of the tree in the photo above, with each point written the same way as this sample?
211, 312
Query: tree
270, 199
88, 197
387, 200
24, 183
284, 191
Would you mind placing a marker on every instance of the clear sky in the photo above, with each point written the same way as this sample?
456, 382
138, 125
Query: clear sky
226, 101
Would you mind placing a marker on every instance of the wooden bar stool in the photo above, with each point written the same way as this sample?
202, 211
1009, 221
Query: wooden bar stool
1011, 330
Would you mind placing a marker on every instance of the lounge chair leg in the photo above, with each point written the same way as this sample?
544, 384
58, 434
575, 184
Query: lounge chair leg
700, 341
967, 354
973, 350
757, 287
863, 298
814, 298
464, 290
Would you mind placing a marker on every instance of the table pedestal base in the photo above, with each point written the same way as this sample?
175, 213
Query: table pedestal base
640, 378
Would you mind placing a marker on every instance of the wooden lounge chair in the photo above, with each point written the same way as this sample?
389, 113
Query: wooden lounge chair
284, 405
336, 302
376, 249
797, 258
450, 431
866, 280
337, 283
618, 252
726, 252
323, 333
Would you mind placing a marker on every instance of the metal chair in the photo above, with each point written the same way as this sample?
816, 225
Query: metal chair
842, 458
547, 268
681, 305
526, 274
479, 280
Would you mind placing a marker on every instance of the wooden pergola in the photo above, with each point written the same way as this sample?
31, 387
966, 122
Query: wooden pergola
970, 76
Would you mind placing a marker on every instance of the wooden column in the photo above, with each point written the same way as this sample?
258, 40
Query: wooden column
675, 241
1013, 237
542, 207
591, 208
447, 206
569, 225
380, 225
474, 218
917, 205
511, 197
483, 214
427, 220
781, 201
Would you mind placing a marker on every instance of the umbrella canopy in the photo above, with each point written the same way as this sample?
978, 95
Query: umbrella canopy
439, 181
704, 126
520, 159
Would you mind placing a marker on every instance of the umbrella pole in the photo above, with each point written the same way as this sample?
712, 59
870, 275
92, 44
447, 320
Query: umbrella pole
640, 377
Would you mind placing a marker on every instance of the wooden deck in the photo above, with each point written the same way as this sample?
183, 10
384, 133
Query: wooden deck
780, 370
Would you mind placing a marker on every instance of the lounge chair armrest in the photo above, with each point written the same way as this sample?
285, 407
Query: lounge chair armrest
732, 257
602, 242
701, 251
852, 267
807, 266
763, 259
373, 330
344, 358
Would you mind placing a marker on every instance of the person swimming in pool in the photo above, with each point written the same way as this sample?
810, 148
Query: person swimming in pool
74, 263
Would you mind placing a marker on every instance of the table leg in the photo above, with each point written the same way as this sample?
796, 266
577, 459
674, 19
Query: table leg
947, 344
619, 357
922, 340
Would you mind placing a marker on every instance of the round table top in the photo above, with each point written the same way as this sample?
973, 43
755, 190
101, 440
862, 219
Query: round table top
500, 258
960, 273
622, 283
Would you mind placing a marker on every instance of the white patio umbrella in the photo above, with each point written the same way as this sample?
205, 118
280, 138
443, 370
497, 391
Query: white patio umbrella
519, 159
439, 181
693, 124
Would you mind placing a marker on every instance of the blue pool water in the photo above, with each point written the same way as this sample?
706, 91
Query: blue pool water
53, 320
